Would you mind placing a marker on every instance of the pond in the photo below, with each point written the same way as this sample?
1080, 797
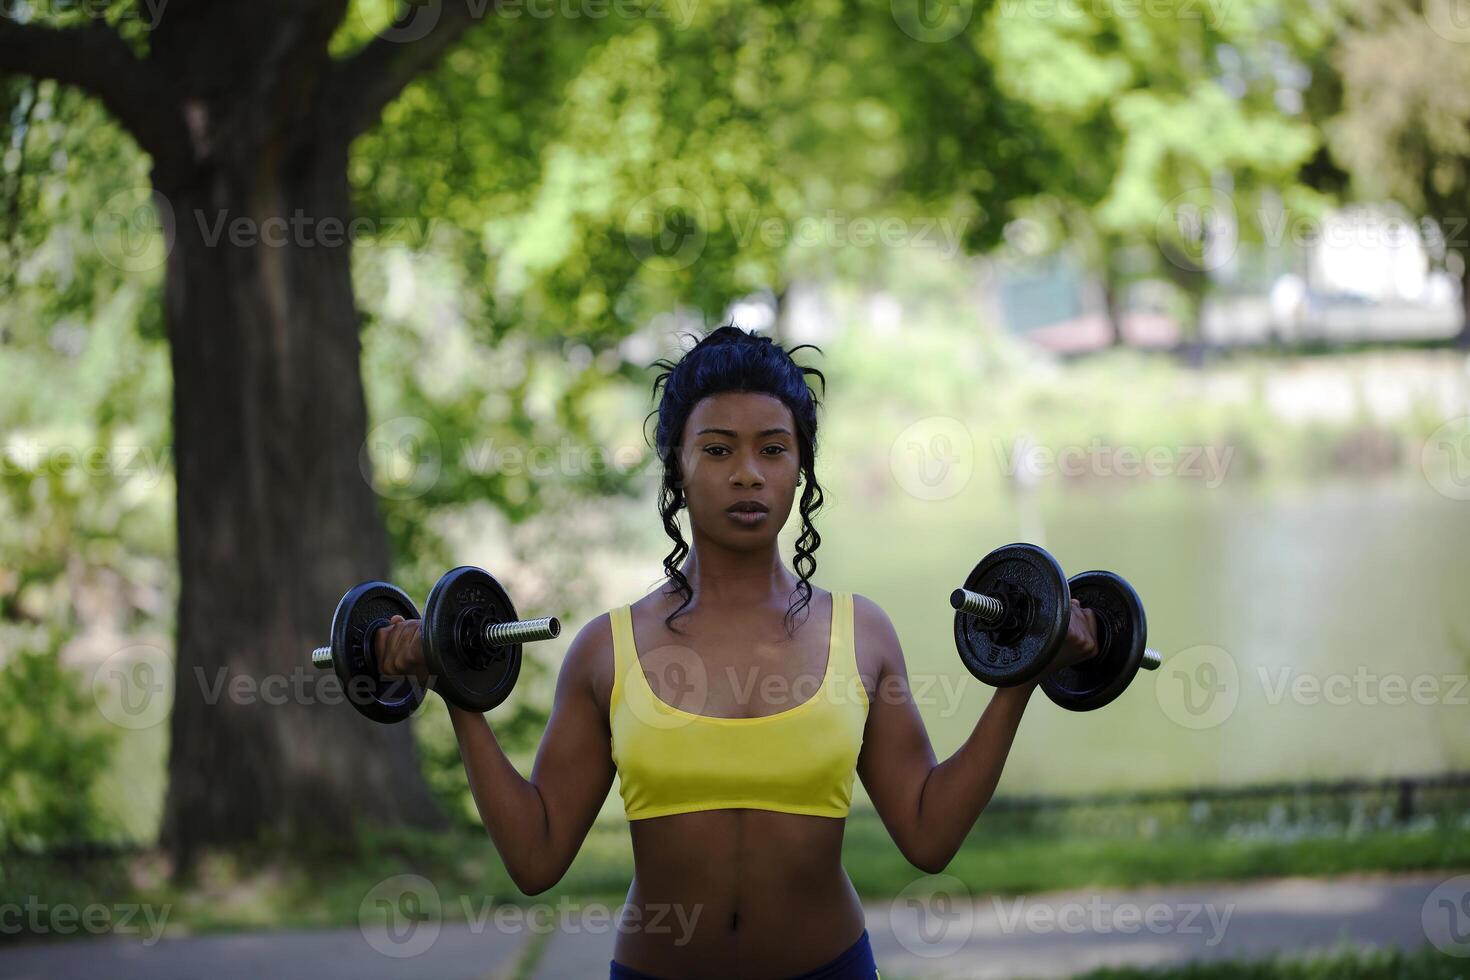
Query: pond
1314, 630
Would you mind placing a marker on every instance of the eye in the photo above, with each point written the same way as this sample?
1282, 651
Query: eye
721, 448
779, 449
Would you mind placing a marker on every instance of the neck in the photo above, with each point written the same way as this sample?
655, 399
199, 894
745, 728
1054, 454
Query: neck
743, 579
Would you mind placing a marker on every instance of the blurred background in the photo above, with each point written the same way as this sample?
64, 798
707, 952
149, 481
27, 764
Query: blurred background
298, 294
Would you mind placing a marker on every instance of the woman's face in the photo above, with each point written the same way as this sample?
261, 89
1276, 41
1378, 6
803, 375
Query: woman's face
739, 446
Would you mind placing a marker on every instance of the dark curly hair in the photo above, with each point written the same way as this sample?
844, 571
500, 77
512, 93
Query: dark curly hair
730, 359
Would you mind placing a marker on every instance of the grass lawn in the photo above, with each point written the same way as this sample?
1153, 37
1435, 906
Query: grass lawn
1389, 964
303, 886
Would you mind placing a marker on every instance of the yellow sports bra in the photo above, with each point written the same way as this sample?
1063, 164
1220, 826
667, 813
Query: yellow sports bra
800, 760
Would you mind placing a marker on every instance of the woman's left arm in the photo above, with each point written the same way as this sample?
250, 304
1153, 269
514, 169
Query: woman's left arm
929, 806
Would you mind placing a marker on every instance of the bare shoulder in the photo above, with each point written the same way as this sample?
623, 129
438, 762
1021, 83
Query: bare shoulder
588, 664
874, 637
870, 617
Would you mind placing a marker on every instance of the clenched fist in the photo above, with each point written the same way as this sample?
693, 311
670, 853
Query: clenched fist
399, 647
1081, 641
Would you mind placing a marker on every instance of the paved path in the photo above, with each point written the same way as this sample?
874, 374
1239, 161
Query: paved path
940, 935
457, 953
1062, 934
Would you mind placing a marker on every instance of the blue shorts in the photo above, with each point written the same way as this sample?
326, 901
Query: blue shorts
854, 963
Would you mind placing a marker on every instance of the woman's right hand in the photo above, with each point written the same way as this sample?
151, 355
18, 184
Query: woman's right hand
399, 647
1079, 644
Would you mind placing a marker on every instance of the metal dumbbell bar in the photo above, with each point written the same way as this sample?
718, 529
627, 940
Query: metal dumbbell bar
992, 612
472, 644
1011, 618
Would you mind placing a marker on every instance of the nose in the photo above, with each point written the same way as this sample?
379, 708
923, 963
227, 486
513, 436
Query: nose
747, 474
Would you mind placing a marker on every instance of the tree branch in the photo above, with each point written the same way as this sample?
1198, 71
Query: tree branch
96, 60
362, 85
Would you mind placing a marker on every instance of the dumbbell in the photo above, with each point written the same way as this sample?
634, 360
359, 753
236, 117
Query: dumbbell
1011, 618
472, 644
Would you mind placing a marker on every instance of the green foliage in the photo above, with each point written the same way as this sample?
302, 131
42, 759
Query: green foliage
1158, 118
994, 861
86, 519
258, 889
518, 732
541, 168
1345, 963
85, 462
53, 748
1404, 125
651, 162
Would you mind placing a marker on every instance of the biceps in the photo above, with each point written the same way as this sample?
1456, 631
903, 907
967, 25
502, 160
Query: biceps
896, 756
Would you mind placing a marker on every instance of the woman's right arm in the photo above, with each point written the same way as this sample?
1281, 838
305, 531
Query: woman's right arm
538, 824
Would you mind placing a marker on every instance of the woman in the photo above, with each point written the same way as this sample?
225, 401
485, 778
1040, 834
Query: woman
735, 733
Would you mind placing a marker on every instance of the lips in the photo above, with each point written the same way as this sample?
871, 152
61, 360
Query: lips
748, 507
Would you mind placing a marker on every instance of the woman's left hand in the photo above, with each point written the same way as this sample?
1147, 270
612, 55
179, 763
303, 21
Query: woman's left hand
1081, 641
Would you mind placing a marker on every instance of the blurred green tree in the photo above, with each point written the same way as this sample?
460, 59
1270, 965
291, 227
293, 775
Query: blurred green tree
1176, 130
1403, 131
583, 166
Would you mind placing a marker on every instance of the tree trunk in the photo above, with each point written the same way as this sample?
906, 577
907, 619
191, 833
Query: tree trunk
275, 518
247, 118
780, 313
1462, 339
1111, 307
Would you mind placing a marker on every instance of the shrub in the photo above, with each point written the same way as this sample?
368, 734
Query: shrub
52, 750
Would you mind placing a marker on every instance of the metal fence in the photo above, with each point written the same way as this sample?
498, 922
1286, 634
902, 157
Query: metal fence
1277, 810
1280, 809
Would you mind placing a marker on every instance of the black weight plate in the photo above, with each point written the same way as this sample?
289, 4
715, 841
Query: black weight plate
363, 608
464, 674
1122, 635
1034, 587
